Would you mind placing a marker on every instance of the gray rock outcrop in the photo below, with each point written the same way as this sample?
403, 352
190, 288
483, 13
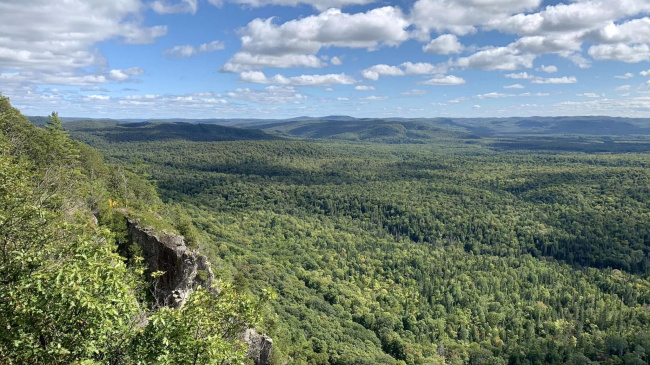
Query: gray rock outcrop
184, 268
259, 346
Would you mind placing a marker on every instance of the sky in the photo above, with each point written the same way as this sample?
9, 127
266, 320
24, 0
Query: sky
288, 58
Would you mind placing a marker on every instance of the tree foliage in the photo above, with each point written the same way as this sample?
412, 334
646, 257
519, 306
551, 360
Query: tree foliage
420, 254
66, 296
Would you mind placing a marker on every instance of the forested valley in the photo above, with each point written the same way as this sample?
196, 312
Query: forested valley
448, 249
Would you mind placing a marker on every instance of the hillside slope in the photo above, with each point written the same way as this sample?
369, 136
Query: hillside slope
66, 296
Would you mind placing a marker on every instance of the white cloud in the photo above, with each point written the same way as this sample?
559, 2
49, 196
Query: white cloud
462, 16
645, 73
56, 36
566, 18
555, 80
70, 78
415, 92
624, 107
541, 80
477, 106
536, 94
374, 98
269, 95
547, 69
624, 88
520, 76
406, 68
501, 58
336, 61
302, 80
493, 95
457, 100
270, 44
184, 6
189, 50
342, 99
621, 52
445, 44
97, 97
445, 80
54, 42
373, 73
515, 86
243, 61
364, 88
125, 74
628, 75
591, 95
633, 31
318, 4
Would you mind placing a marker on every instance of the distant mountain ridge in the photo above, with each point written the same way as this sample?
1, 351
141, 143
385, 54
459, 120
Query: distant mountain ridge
394, 130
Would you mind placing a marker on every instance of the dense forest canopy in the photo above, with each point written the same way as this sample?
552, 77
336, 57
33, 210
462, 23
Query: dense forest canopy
447, 249
66, 296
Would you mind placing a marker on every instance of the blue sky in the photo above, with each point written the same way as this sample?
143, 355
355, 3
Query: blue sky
287, 58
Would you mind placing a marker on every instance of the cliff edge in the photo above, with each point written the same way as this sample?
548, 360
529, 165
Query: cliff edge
184, 270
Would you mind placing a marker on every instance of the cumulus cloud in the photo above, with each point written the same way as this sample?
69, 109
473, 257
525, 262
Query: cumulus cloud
573, 17
373, 73
555, 80
590, 95
457, 100
336, 61
318, 4
520, 76
243, 61
445, 80
406, 68
547, 69
270, 44
621, 52
626, 76
624, 107
463, 16
445, 44
541, 80
493, 95
645, 73
515, 86
269, 95
70, 78
302, 80
374, 98
364, 88
125, 74
500, 58
97, 97
54, 42
55, 36
184, 6
189, 50
415, 92
624, 88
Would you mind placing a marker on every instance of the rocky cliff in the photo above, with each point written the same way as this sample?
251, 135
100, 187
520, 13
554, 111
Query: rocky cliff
184, 270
